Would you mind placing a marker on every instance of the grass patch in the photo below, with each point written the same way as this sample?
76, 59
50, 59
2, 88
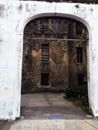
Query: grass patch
78, 103
79, 96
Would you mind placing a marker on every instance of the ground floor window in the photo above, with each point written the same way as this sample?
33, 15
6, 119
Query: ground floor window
45, 79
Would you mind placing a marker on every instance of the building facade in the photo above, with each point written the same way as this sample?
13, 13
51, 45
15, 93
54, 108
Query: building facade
54, 55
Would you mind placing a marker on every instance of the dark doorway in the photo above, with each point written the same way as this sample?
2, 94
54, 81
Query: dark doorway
45, 79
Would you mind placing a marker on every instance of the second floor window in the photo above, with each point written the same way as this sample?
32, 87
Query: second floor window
45, 52
44, 24
79, 29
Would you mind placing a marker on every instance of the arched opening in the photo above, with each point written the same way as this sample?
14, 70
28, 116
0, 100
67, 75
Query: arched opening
55, 55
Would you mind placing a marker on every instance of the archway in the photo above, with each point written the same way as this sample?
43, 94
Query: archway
73, 42
84, 13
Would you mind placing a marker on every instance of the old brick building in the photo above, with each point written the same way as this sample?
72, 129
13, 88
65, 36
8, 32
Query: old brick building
54, 54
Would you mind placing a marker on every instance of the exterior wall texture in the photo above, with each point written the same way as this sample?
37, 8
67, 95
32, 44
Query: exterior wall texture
14, 15
62, 55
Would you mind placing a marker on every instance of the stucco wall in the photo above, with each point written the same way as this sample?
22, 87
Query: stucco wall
14, 15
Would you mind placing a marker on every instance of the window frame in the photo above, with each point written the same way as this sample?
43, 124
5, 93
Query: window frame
45, 52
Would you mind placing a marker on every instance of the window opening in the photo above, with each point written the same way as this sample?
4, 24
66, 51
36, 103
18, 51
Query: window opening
79, 28
45, 79
44, 24
45, 52
55, 25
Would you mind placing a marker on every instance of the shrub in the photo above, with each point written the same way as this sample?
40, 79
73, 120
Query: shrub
79, 93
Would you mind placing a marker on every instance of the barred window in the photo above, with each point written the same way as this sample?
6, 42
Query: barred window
43, 24
45, 52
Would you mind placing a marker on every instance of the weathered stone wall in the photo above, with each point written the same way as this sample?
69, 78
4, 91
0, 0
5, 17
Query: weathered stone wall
62, 66
76, 67
57, 66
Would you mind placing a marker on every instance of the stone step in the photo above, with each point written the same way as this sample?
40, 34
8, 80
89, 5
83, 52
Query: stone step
54, 125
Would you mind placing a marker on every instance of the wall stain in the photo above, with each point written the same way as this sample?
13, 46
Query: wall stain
20, 7
1, 9
91, 10
77, 6
27, 8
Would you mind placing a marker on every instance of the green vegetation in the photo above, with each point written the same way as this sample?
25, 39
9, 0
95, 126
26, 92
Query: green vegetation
79, 96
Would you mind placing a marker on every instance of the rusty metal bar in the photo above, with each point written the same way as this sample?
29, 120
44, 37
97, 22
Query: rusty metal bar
59, 39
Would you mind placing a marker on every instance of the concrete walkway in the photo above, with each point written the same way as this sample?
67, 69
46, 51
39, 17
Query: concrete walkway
54, 125
49, 106
47, 111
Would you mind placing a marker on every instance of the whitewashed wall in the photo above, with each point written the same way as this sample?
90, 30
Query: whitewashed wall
14, 15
